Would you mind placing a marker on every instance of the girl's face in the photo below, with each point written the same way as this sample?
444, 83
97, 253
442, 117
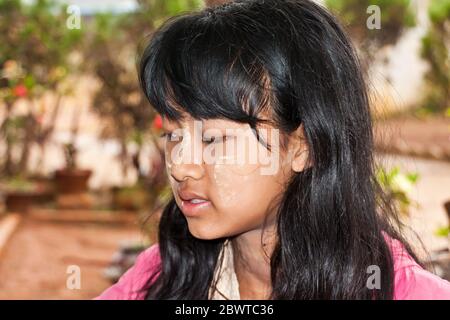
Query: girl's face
224, 181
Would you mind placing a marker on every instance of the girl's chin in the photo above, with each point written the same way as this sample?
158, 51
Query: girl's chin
201, 230
204, 235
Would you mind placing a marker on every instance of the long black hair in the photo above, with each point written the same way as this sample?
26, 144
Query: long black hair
292, 58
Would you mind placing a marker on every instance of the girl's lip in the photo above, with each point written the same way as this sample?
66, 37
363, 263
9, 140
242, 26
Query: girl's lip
192, 209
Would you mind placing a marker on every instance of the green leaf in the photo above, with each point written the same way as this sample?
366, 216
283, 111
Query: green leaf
29, 81
442, 232
439, 11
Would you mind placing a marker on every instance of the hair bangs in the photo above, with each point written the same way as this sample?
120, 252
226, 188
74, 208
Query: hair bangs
195, 66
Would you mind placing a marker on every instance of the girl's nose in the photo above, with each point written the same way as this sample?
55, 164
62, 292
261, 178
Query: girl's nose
188, 162
181, 172
186, 157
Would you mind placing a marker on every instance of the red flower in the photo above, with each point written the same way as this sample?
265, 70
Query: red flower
20, 90
157, 122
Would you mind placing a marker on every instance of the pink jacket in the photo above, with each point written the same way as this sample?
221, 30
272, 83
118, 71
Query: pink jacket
412, 282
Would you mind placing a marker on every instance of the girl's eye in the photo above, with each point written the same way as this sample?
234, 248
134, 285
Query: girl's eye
170, 136
209, 140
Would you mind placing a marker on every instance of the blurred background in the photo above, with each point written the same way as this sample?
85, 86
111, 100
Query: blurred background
82, 179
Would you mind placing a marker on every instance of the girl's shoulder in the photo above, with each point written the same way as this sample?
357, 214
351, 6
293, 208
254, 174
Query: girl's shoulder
411, 281
133, 283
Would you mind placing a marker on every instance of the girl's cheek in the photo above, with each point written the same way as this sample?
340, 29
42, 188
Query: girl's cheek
226, 184
232, 183
236, 166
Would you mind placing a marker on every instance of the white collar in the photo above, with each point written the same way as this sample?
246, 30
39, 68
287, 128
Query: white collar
226, 284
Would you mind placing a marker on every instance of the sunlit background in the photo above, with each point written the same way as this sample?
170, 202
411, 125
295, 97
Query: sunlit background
82, 178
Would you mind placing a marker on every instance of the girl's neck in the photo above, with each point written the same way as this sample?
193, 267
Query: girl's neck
252, 262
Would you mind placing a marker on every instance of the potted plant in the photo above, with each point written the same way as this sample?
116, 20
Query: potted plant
71, 179
21, 193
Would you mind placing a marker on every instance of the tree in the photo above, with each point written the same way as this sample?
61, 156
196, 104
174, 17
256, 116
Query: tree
111, 55
35, 52
436, 51
395, 17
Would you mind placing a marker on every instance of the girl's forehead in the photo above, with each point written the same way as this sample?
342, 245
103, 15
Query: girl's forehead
188, 121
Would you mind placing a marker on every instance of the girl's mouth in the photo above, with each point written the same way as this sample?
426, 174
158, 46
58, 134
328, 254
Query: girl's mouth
194, 207
192, 203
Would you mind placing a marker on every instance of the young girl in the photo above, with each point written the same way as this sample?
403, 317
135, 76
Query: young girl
307, 219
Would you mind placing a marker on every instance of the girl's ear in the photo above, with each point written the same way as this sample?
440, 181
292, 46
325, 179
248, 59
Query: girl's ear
299, 150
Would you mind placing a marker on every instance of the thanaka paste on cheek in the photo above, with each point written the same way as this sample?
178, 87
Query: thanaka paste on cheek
228, 182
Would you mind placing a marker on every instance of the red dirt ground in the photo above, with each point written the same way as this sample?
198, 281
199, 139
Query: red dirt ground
34, 263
